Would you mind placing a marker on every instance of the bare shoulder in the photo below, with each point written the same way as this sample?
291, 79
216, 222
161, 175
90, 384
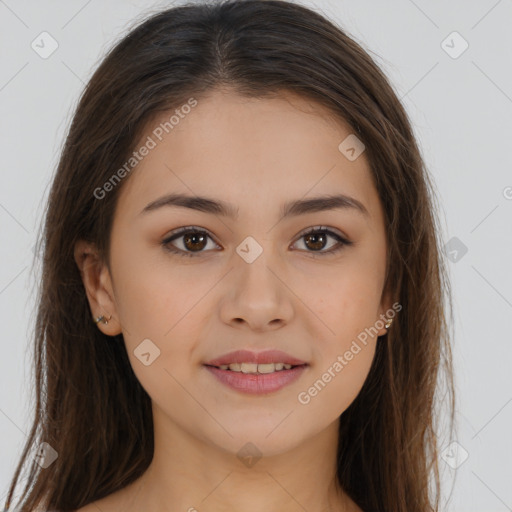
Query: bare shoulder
95, 506
115, 502
109, 504
87, 508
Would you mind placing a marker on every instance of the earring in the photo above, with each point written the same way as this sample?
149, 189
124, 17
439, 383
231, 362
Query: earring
388, 323
102, 319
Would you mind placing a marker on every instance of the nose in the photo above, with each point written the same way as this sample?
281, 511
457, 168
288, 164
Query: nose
256, 297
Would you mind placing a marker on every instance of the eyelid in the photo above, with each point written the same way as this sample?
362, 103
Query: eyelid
323, 228
183, 230
305, 231
333, 232
342, 241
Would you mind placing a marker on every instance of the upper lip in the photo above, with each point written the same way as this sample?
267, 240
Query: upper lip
247, 356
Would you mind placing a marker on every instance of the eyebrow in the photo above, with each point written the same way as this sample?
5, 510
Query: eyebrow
289, 209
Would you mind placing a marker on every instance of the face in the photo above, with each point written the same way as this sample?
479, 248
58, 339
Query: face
250, 279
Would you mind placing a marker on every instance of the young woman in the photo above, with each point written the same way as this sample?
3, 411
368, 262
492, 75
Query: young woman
243, 299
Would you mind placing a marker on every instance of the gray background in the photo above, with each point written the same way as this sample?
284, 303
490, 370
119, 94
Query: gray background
461, 109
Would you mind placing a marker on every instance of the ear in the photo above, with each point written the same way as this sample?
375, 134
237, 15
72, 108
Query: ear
98, 287
385, 307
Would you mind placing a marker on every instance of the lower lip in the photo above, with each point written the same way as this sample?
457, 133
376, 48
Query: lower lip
257, 384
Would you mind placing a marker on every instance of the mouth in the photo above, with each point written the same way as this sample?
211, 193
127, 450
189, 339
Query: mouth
281, 360
256, 373
256, 369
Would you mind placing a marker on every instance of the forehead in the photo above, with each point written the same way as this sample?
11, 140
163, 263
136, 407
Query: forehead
248, 150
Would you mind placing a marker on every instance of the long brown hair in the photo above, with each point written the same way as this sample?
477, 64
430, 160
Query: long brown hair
90, 407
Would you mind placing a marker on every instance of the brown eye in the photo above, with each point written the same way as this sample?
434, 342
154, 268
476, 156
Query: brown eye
193, 241
315, 240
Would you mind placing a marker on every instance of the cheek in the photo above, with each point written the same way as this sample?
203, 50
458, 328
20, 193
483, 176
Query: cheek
152, 295
348, 309
349, 303
344, 355
158, 307
333, 388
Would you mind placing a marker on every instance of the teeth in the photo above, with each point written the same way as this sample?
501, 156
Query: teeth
255, 368
266, 368
249, 367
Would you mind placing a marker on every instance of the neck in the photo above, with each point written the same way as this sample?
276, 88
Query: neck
193, 475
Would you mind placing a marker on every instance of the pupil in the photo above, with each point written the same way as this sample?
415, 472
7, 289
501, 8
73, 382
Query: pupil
317, 245
193, 240
317, 239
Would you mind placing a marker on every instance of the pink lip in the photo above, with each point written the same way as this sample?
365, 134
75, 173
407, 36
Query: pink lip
257, 384
265, 357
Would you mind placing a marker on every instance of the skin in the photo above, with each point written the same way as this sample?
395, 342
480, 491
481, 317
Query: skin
255, 154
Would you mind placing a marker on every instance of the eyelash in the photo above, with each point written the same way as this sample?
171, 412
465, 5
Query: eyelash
193, 229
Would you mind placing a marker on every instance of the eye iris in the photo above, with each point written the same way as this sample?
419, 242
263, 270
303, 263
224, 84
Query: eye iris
316, 236
193, 238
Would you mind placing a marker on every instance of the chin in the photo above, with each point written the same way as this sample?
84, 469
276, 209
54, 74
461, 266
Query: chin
255, 439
